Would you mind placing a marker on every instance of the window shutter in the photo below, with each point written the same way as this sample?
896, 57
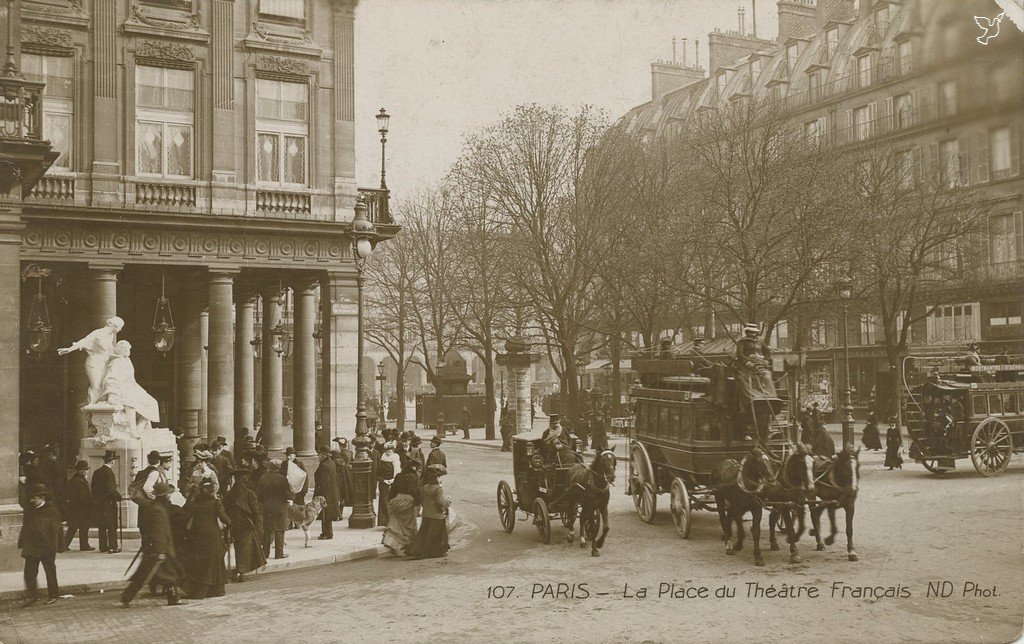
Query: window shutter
964, 160
932, 164
889, 116
873, 128
1018, 235
980, 161
1014, 150
848, 128
918, 170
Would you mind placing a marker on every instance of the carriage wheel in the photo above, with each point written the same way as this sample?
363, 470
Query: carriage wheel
641, 483
506, 507
991, 447
568, 517
680, 508
932, 465
542, 520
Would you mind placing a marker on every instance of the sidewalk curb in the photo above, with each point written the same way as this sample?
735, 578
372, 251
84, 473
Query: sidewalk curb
273, 566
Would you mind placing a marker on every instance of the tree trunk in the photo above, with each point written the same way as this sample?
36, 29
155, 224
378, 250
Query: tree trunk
400, 377
615, 353
489, 391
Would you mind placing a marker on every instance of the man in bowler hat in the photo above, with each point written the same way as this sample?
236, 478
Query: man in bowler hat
159, 565
105, 498
79, 508
39, 542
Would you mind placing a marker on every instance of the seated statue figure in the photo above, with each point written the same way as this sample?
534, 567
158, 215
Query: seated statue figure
120, 387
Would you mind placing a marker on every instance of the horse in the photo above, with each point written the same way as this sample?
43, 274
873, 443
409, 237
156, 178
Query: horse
789, 494
736, 487
837, 480
589, 488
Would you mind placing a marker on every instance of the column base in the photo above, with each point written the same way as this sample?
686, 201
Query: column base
361, 521
10, 523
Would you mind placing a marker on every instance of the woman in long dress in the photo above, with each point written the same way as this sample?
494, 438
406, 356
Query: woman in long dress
205, 571
120, 387
387, 468
243, 508
893, 443
871, 439
342, 457
432, 539
405, 498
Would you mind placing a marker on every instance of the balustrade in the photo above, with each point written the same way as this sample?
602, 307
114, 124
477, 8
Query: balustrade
54, 188
283, 202
165, 194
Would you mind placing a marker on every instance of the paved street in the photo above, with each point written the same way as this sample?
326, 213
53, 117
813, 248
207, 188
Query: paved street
912, 528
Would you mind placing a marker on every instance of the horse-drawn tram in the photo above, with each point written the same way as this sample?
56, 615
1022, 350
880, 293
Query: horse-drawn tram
704, 435
960, 407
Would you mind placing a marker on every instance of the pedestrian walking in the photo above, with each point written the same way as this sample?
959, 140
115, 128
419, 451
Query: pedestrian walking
465, 422
599, 433
436, 455
39, 541
402, 504
205, 573
295, 473
159, 564
440, 423
105, 498
870, 438
415, 452
80, 508
243, 508
387, 469
275, 496
223, 464
432, 539
893, 444
325, 484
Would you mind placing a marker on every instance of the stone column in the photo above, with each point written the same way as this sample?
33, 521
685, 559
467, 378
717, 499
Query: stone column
10, 360
271, 394
340, 350
220, 394
303, 370
190, 373
204, 374
244, 394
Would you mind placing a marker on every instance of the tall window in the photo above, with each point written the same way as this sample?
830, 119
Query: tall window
905, 169
947, 98
999, 152
1005, 240
780, 333
282, 132
164, 121
831, 42
867, 328
954, 323
864, 70
904, 57
814, 85
862, 122
902, 111
818, 328
815, 130
58, 103
949, 158
294, 9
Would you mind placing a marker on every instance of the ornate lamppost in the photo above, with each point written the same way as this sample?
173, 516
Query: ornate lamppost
382, 127
845, 288
381, 378
363, 234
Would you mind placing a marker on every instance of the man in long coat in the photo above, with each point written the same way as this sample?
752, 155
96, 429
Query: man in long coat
105, 498
342, 458
79, 508
436, 455
159, 563
325, 484
40, 541
274, 495
243, 506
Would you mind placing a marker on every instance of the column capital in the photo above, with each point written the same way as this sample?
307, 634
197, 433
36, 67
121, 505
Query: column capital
304, 283
106, 267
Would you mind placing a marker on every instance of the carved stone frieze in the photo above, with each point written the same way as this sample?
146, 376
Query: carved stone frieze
69, 14
164, 51
188, 28
282, 65
47, 37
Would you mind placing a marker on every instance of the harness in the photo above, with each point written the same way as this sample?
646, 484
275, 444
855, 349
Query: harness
830, 475
741, 479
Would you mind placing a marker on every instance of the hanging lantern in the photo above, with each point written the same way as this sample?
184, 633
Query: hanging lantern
281, 341
40, 331
163, 323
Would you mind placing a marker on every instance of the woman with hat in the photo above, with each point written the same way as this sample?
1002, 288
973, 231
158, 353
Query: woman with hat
243, 508
205, 573
39, 541
387, 468
415, 452
202, 471
402, 504
432, 538
342, 458
80, 507
325, 484
893, 443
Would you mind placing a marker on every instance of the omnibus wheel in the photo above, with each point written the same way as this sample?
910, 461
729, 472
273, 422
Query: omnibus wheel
932, 465
991, 447
542, 520
680, 508
506, 507
641, 483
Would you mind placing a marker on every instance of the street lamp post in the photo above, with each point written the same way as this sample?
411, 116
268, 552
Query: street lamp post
382, 127
362, 466
845, 288
381, 378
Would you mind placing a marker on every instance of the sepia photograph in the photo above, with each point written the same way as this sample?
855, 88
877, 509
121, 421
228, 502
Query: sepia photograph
535, 320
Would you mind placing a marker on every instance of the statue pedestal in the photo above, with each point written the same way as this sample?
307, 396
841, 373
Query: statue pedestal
117, 431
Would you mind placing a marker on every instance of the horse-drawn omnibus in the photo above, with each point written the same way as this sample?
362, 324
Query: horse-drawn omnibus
957, 409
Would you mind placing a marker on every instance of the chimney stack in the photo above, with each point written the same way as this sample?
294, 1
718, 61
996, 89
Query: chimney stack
673, 49
753, 18
684, 52
696, 50
743, 23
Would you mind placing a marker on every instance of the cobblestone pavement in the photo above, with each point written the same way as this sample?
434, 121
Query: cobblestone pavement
912, 528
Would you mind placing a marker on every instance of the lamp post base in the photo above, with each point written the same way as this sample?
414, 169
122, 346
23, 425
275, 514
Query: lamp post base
362, 516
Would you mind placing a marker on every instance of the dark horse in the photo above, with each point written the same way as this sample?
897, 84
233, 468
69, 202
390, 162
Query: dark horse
736, 487
788, 496
589, 488
837, 478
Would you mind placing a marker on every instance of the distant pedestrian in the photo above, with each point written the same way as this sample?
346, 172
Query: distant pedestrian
80, 508
39, 542
893, 444
52, 473
387, 469
205, 572
599, 433
325, 484
440, 423
159, 564
342, 458
202, 471
223, 464
432, 538
106, 497
465, 422
275, 496
815, 415
507, 425
415, 452
805, 428
243, 507
436, 455
870, 438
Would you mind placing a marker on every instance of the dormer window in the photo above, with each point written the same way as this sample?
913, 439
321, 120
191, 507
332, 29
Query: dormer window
904, 57
882, 18
755, 68
831, 42
864, 70
792, 53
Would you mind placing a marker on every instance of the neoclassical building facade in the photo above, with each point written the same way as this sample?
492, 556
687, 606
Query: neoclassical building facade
205, 179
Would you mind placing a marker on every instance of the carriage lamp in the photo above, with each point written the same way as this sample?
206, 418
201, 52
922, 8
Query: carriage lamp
844, 286
163, 322
40, 331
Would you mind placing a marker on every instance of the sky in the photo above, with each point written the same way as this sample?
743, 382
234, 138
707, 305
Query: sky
445, 68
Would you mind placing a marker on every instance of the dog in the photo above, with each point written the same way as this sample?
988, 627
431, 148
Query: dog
304, 515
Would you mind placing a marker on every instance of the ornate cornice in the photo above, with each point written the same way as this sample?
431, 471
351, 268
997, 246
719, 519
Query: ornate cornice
282, 65
79, 243
47, 38
70, 14
260, 38
187, 29
159, 50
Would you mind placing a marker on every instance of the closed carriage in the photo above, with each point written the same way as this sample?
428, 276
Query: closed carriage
541, 480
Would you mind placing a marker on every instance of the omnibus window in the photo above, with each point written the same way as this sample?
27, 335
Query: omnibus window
980, 405
641, 419
1010, 403
995, 404
673, 423
685, 425
665, 428
705, 428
